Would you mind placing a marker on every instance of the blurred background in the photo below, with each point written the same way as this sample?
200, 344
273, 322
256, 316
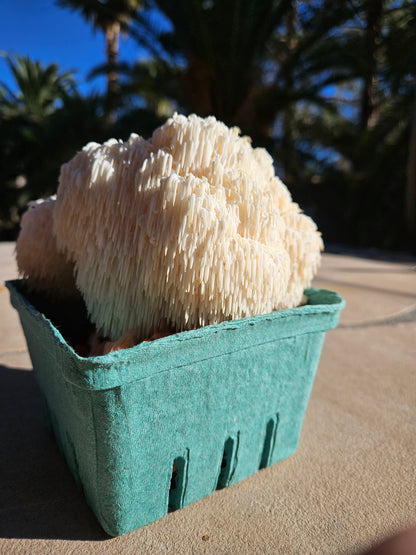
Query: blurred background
327, 86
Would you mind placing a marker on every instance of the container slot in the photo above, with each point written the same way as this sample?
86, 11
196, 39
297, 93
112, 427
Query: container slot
178, 482
269, 441
56, 430
229, 462
73, 460
46, 412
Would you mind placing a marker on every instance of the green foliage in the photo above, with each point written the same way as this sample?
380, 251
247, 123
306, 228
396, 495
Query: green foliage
102, 14
23, 119
39, 89
222, 44
329, 88
42, 126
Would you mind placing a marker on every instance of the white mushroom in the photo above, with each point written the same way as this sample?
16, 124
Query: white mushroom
186, 229
37, 256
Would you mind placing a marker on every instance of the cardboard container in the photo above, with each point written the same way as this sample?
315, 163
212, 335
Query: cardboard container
216, 404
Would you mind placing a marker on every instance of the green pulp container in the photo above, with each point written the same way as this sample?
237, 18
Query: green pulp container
167, 422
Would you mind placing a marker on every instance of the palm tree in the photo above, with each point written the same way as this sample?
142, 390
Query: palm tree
219, 45
373, 27
39, 88
111, 17
25, 116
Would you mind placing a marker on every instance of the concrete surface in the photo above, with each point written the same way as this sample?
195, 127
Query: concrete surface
351, 482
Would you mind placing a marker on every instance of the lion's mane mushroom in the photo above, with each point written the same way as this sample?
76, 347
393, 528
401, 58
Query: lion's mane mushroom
38, 259
186, 229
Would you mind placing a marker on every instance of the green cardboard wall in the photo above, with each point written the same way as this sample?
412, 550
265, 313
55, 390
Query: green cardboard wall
216, 404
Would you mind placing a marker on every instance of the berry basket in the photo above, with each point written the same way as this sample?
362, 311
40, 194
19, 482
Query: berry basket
167, 422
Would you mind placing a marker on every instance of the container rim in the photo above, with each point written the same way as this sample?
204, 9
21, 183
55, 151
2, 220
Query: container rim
111, 370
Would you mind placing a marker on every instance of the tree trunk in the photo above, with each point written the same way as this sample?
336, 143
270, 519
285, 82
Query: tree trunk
197, 87
288, 115
410, 205
369, 112
112, 37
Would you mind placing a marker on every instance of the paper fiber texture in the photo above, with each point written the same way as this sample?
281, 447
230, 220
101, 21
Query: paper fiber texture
218, 403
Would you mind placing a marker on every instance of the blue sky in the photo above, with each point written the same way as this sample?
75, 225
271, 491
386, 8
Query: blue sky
49, 34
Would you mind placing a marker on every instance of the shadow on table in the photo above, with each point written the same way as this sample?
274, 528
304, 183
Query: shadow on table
38, 495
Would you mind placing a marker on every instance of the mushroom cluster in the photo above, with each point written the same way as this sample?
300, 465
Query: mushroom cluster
188, 228
38, 259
